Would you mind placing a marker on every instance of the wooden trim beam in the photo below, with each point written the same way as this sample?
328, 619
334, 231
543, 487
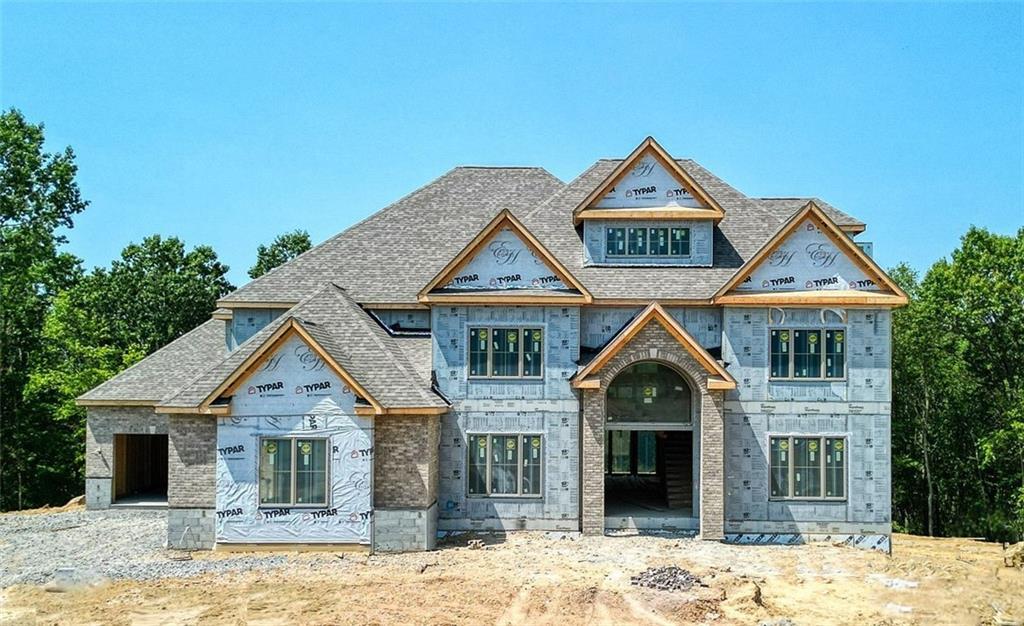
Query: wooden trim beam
663, 213
587, 383
85, 402
254, 304
511, 298
813, 298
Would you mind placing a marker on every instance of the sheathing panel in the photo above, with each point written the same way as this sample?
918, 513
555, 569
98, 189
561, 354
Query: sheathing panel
547, 406
600, 324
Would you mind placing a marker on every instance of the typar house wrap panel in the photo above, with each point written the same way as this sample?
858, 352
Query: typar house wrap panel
807, 260
294, 396
506, 262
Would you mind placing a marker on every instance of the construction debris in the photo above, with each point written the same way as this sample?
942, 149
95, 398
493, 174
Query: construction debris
475, 544
669, 578
1013, 556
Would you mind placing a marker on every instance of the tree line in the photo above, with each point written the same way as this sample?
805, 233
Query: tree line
958, 349
66, 330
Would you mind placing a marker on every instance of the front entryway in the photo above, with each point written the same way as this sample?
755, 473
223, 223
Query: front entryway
140, 470
650, 463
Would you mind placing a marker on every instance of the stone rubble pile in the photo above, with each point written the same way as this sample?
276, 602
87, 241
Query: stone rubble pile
668, 578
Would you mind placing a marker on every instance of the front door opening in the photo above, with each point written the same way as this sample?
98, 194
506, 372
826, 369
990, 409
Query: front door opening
649, 473
650, 456
140, 470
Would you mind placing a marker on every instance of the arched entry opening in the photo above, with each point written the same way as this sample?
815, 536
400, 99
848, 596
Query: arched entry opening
650, 451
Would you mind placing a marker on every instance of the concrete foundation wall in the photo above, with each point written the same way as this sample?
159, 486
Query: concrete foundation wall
101, 424
405, 530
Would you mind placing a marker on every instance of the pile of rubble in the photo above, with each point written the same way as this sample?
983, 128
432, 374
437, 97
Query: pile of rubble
668, 578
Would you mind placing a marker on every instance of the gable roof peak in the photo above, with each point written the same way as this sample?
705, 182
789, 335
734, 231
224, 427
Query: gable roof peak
708, 207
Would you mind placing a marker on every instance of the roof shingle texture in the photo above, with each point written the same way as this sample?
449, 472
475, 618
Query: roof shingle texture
390, 256
348, 335
167, 369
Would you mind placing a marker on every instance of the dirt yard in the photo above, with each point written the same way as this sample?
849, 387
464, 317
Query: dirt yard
539, 579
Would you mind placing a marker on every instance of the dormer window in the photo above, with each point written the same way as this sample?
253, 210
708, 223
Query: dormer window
647, 242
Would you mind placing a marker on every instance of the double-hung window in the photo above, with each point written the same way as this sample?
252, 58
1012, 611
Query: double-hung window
506, 352
647, 242
799, 353
505, 465
808, 468
293, 472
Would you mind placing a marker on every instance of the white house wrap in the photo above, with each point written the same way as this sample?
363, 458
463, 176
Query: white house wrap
506, 262
807, 260
294, 395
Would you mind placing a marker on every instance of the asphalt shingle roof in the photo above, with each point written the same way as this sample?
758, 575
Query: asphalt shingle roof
388, 257
356, 342
167, 369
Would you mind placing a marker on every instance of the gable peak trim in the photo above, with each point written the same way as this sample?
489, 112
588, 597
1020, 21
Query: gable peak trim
650, 145
504, 219
835, 234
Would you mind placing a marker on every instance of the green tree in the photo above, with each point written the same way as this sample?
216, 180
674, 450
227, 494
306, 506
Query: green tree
110, 319
284, 248
958, 392
38, 197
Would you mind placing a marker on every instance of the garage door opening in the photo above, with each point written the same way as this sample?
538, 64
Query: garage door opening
140, 470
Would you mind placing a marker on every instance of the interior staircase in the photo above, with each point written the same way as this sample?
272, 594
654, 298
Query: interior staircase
678, 470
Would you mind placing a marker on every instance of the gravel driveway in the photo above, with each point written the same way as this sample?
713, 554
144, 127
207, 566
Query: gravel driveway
97, 544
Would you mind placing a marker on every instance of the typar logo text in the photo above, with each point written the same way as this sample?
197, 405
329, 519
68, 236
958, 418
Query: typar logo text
277, 385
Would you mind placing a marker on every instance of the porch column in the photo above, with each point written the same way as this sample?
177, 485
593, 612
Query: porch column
712, 465
592, 467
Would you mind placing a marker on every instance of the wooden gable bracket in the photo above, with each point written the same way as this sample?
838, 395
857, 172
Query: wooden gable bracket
896, 297
649, 145
290, 328
503, 220
718, 377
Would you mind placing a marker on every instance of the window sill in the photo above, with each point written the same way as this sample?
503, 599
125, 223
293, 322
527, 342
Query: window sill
806, 380
809, 500
522, 379
510, 496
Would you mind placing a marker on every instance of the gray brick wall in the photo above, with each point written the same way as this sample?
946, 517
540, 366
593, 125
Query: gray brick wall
405, 460
405, 530
655, 343
191, 481
191, 461
101, 424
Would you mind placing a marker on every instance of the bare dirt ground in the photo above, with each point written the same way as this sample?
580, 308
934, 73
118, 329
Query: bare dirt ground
538, 579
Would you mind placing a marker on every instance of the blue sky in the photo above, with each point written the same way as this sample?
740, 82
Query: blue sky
227, 124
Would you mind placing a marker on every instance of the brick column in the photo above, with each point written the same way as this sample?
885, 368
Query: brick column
712, 465
191, 481
405, 478
592, 468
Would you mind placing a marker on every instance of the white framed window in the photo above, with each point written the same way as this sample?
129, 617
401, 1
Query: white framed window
807, 353
807, 467
505, 465
502, 352
648, 242
293, 471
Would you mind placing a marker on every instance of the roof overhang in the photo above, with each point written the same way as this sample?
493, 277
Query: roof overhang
718, 377
503, 220
649, 145
655, 213
847, 298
